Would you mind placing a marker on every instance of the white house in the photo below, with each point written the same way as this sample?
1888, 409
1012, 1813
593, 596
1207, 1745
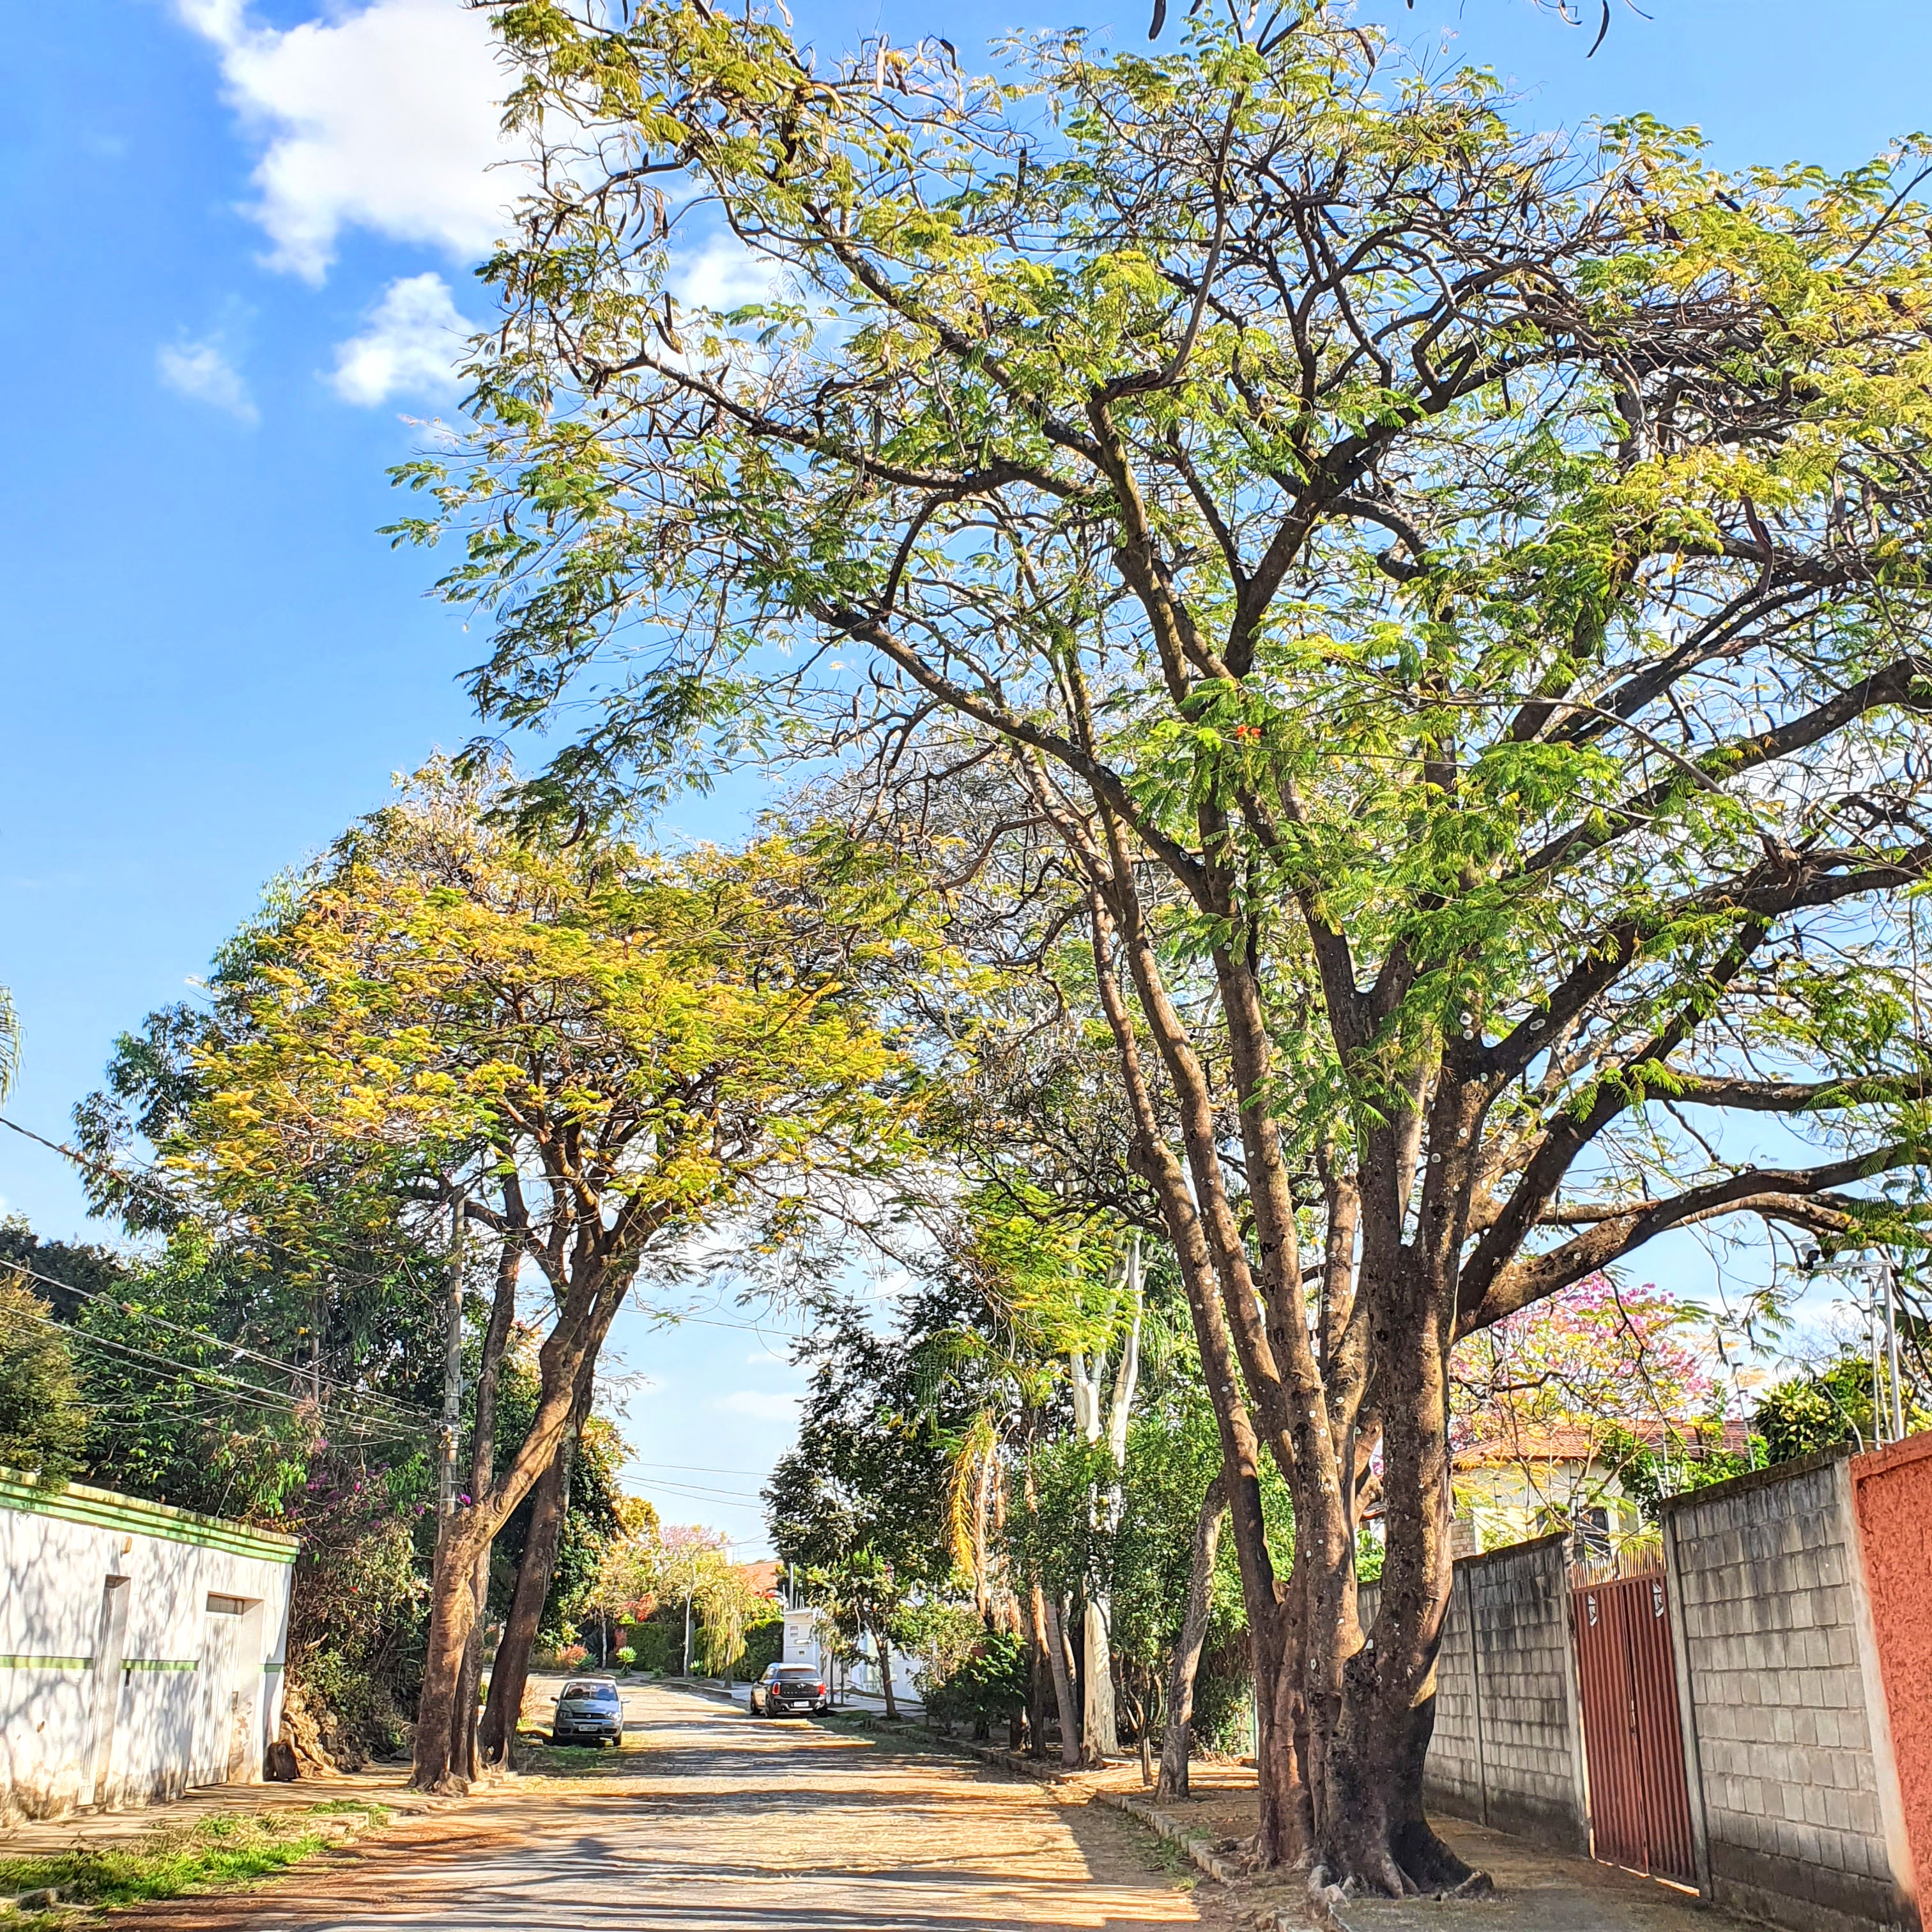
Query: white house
804, 1644
141, 1647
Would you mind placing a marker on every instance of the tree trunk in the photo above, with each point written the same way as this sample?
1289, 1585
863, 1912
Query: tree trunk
465, 1758
1178, 1744
1062, 1683
1099, 1727
1039, 1671
452, 1614
511, 1676
1374, 1831
885, 1669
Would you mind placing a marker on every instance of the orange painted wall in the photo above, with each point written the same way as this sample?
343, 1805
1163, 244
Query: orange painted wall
1893, 1489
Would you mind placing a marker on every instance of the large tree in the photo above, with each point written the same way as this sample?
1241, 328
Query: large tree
1444, 605
588, 1052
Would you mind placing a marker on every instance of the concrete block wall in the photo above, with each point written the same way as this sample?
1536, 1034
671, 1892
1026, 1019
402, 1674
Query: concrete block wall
1453, 1776
1527, 1702
1787, 1797
1507, 1746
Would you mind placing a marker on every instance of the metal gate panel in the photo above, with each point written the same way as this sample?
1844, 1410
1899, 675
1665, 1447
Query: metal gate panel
1633, 1748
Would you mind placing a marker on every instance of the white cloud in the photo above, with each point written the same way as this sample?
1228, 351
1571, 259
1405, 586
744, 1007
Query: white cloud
384, 118
724, 274
411, 346
758, 1403
201, 370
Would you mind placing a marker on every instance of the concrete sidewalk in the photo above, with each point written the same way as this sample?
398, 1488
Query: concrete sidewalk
383, 1784
1538, 1891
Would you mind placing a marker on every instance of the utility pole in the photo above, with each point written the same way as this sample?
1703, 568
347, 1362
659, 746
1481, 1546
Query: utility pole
1891, 1350
452, 1372
1875, 1326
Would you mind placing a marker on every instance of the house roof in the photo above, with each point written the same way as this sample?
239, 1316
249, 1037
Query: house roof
1583, 1441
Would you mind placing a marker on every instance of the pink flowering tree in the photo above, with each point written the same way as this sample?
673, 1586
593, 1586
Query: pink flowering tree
1554, 1407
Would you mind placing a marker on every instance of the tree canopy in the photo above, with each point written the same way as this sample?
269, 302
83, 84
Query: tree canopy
1437, 611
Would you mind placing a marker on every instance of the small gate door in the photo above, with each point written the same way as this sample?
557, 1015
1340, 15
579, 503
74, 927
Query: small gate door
213, 1748
1633, 1745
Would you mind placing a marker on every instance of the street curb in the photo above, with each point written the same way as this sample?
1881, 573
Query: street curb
1317, 1910
1035, 1768
36, 1901
1198, 1845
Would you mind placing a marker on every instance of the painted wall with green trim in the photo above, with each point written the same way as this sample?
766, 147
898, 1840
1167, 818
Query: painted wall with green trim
141, 1647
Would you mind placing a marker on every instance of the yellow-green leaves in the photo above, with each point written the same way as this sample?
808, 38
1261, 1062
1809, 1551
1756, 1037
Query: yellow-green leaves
651, 1033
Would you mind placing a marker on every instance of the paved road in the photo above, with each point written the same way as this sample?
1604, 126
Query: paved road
714, 1821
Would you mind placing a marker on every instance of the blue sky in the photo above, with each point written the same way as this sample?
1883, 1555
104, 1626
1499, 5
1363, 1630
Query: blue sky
241, 239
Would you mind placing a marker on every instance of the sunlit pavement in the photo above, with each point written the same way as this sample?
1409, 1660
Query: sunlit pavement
712, 1821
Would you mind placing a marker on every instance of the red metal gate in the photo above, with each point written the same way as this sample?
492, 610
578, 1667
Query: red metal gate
1633, 1747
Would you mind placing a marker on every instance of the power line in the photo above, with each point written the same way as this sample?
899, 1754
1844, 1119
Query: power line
698, 1493
157, 1192
247, 1392
400, 1411
695, 1468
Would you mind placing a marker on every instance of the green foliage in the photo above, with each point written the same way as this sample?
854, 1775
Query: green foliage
860, 1504
1223, 1693
764, 1645
593, 1520
659, 1641
1693, 1458
964, 1672
361, 1591
44, 1418
1828, 1408
1369, 1554
626, 1656
1174, 1451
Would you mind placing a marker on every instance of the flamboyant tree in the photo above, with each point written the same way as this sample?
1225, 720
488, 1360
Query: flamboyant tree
595, 1052
1443, 609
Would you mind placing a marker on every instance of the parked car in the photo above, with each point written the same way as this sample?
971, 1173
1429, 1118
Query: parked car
789, 1687
589, 1712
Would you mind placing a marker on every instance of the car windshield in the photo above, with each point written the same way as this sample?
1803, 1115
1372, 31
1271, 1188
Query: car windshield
591, 1694
801, 1673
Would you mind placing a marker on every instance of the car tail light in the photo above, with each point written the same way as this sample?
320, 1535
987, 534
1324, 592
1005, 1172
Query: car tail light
818, 1689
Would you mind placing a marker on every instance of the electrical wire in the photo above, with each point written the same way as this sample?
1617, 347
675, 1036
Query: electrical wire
400, 1411
697, 1469
699, 1493
158, 1192
249, 1392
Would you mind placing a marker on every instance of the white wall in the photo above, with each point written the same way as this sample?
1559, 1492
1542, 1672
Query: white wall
802, 1645
120, 1680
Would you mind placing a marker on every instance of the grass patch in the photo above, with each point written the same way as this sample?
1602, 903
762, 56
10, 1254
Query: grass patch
536, 1754
226, 1849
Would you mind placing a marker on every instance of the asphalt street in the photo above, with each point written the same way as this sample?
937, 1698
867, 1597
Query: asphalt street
713, 1821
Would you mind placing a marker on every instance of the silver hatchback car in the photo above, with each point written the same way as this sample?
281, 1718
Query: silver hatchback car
589, 1712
